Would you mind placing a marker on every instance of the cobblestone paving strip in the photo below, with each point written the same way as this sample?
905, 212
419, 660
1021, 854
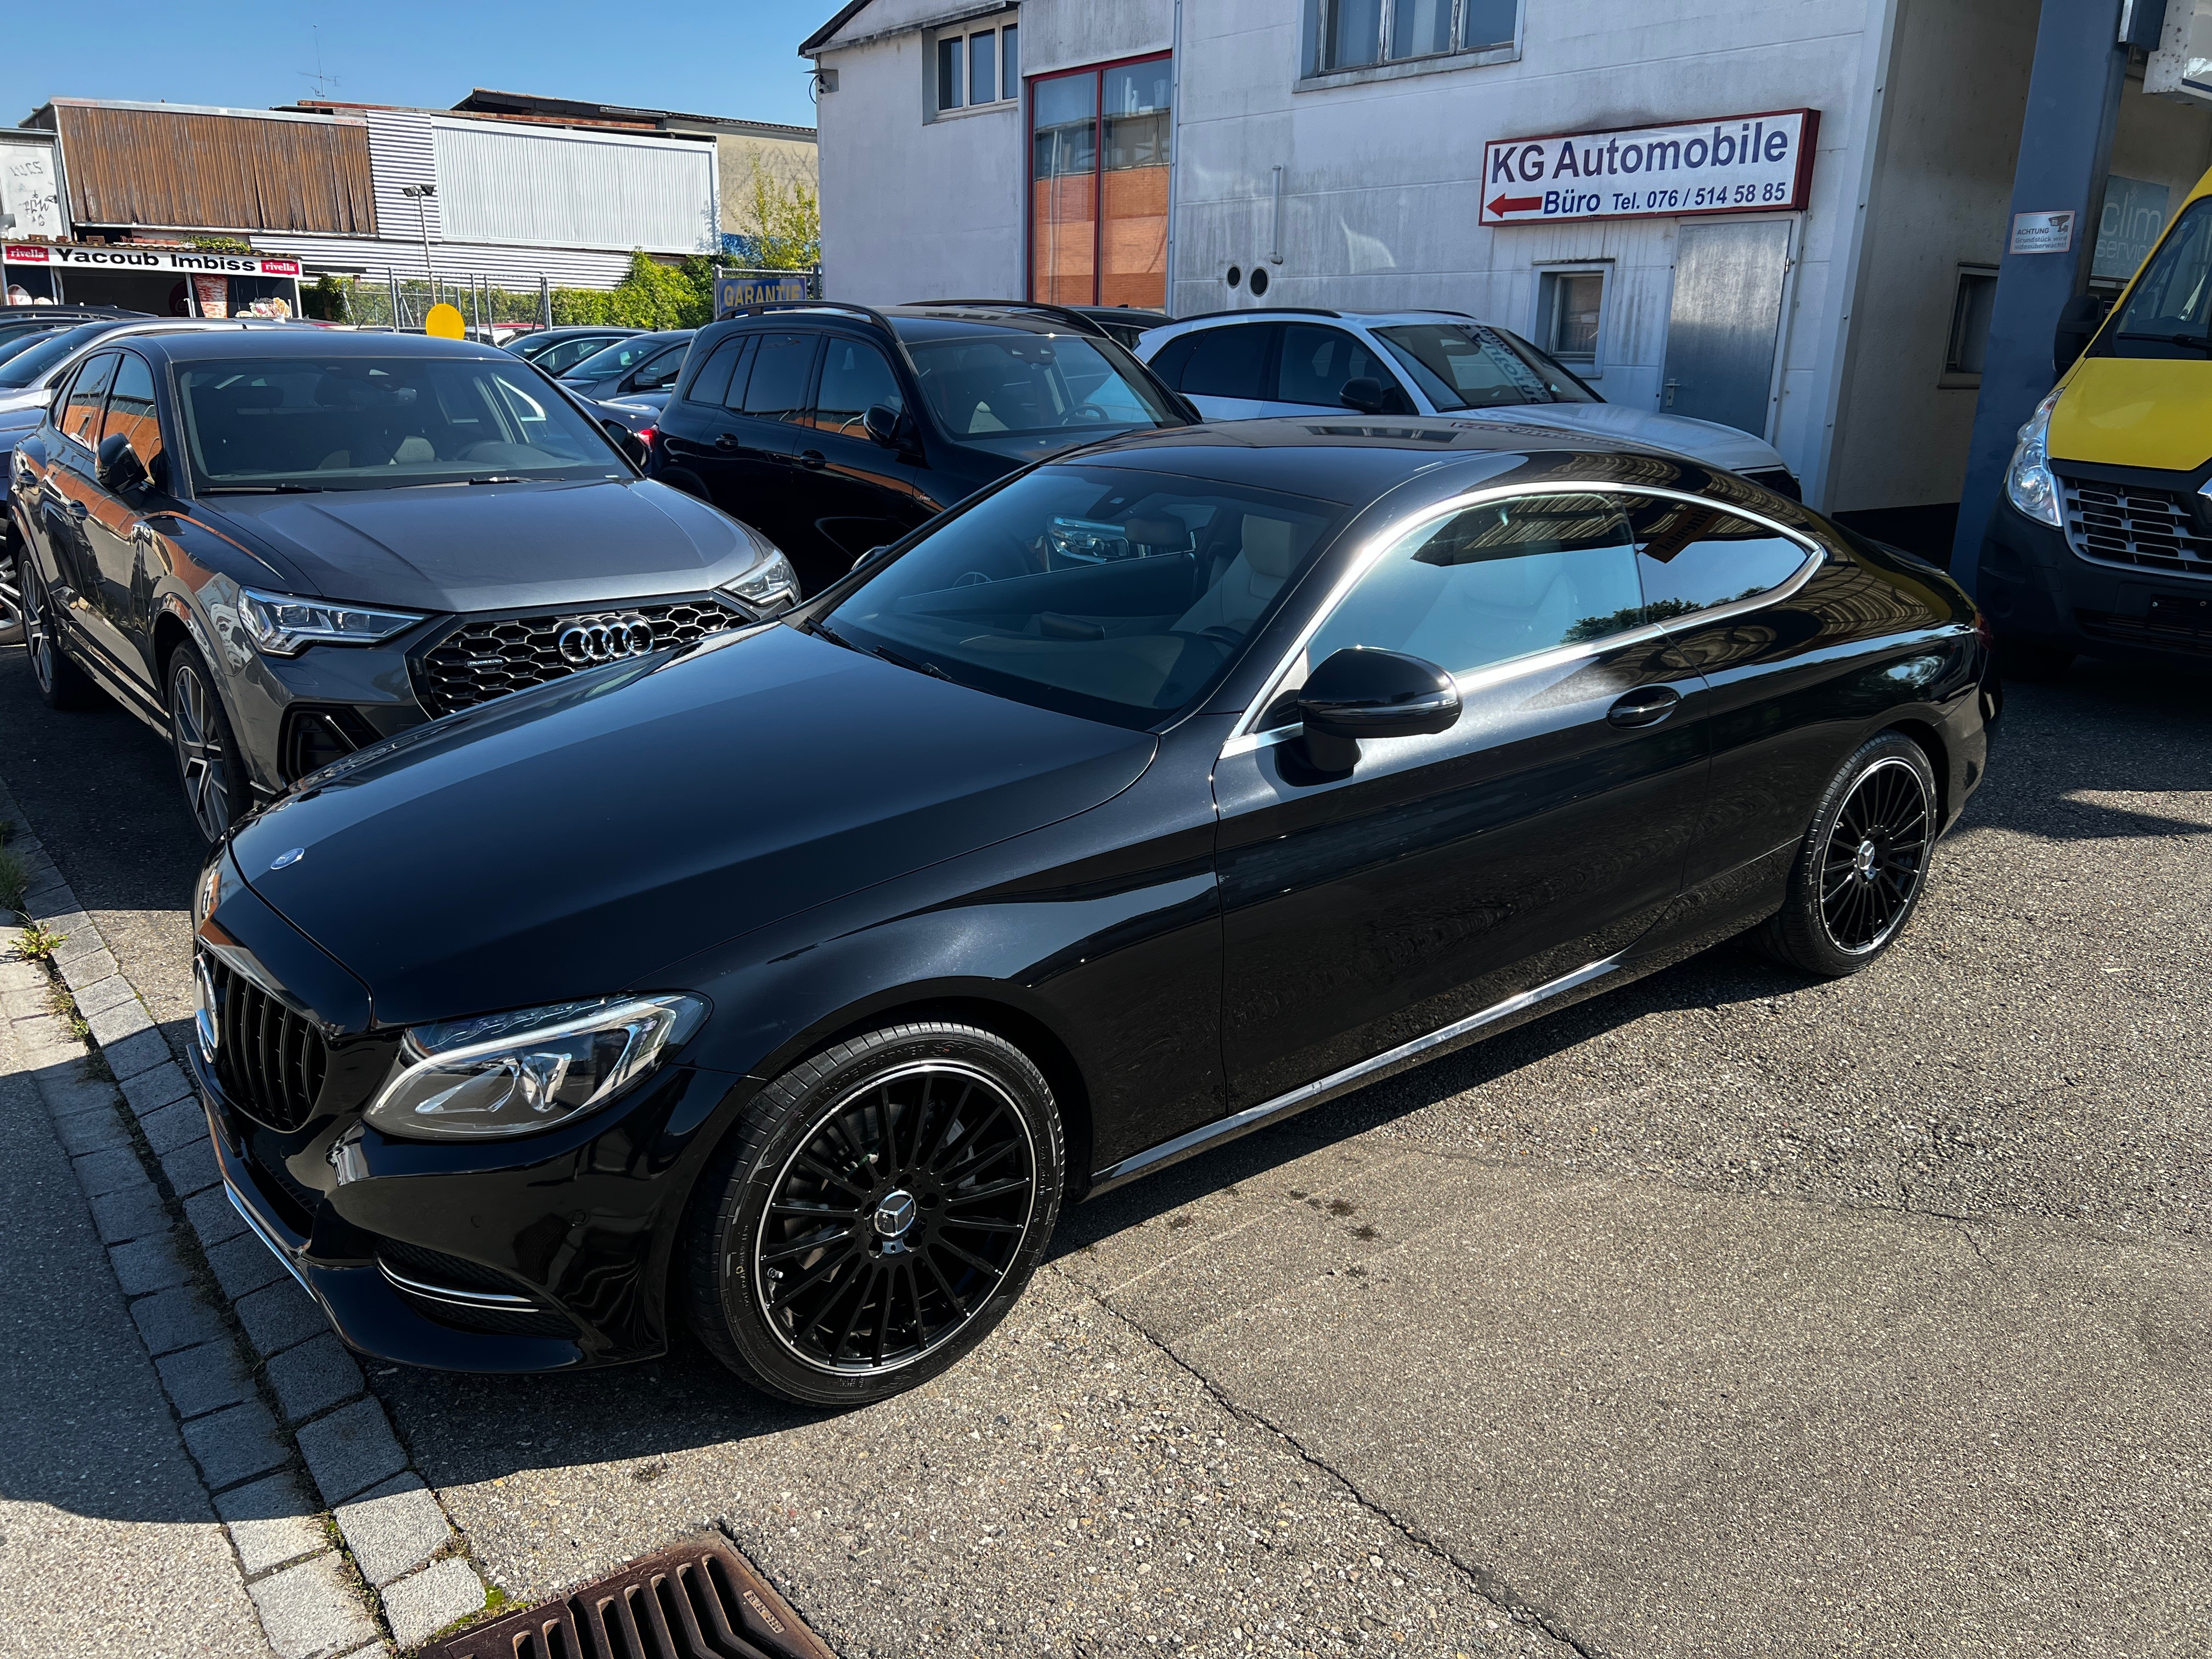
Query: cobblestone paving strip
270, 1404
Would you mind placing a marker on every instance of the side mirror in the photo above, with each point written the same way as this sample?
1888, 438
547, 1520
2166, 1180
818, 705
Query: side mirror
2078, 324
1363, 392
116, 465
626, 441
1360, 692
873, 553
883, 423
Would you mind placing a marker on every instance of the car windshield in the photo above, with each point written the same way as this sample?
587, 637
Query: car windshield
374, 422
26, 365
1017, 383
1472, 366
1109, 593
619, 358
2168, 311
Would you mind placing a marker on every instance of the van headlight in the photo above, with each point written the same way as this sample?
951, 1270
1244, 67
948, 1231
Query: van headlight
517, 1073
2029, 483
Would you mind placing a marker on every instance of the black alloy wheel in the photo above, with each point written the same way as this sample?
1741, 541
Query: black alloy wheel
61, 683
1861, 868
209, 763
878, 1210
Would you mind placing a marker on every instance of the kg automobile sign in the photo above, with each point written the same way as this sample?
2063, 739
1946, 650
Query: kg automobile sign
73, 257
1737, 164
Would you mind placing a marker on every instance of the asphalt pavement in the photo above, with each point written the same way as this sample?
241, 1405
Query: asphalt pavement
1727, 1314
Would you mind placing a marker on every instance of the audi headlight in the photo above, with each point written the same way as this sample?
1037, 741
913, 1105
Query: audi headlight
769, 587
283, 625
2028, 482
517, 1073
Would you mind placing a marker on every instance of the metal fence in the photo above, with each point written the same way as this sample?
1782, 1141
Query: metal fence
397, 303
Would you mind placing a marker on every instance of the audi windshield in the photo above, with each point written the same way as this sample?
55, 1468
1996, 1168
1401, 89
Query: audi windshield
280, 425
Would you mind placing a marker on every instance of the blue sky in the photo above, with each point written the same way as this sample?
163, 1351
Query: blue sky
737, 59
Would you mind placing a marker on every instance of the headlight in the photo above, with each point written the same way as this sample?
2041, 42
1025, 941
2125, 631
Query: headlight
769, 587
2028, 482
284, 626
517, 1073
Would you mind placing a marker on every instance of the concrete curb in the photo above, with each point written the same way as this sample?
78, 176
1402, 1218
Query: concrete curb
262, 1391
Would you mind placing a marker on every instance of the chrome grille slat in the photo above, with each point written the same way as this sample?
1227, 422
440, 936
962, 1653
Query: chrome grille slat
487, 659
270, 1061
2134, 524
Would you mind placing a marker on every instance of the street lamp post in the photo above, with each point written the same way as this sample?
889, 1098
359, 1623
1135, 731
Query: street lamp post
422, 193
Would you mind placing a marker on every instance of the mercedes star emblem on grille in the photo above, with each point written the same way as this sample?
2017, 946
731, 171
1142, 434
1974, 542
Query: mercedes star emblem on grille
604, 639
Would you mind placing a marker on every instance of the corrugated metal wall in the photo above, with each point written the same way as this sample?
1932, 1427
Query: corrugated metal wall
498, 184
155, 168
396, 254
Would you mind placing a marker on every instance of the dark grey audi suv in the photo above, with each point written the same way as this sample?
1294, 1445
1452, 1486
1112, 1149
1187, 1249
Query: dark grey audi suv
276, 547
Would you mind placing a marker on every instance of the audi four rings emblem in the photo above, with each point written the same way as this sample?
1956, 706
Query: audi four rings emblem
604, 639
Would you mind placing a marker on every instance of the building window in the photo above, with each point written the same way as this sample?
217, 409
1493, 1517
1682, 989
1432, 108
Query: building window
977, 68
1351, 34
1570, 306
1099, 158
1970, 325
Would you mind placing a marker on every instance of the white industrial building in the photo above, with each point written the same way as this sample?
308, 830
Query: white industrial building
1373, 155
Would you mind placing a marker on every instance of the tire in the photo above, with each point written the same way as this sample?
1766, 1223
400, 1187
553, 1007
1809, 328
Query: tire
61, 683
2033, 661
218, 790
933, 1154
1859, 875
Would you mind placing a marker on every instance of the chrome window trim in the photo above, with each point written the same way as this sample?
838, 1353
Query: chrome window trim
1243, 737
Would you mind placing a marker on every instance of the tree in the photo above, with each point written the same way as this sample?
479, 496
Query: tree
787, 221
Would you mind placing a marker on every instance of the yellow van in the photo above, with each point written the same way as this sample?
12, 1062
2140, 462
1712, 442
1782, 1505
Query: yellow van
2103, 543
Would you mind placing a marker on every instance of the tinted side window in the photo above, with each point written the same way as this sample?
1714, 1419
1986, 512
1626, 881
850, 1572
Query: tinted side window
712, 383
855, 378
131, 410
1229, 362
1502, 580
1317, 362
564, 354
87, 393
659, 373
1171, 359
1692, 558
781, 367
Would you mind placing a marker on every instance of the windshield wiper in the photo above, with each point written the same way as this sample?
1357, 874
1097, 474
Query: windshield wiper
501, 477
263, 490
2202, 342
883, 652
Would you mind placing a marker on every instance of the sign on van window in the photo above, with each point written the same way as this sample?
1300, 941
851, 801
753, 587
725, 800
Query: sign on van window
1732, 164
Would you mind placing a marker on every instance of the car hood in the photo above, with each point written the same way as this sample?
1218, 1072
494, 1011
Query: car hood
1020, 449
2134, 412
1707, 440
568, 841
493, 547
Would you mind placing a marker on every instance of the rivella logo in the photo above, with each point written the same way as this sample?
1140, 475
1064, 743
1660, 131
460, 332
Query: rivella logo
589, 640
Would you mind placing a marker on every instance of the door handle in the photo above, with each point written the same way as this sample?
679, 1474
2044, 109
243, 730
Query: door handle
1647, 705
1668, 388
811, 459
77, 510
727, 441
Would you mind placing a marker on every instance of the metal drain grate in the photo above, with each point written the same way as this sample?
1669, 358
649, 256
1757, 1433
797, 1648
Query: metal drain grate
699, 1600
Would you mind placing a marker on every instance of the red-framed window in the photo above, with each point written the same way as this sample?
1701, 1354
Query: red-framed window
1099, 142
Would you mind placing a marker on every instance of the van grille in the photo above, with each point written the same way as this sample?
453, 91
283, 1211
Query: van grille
489, 657
270, 1061
2131, 525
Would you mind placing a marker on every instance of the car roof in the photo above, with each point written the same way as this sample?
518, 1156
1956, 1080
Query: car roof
1354, 458
190, 344
1292, 313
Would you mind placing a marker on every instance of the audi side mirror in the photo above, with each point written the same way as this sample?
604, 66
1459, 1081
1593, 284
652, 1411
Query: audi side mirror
882, 422
2078, 323
116, 465
626, 441
1361, 693
1363, 392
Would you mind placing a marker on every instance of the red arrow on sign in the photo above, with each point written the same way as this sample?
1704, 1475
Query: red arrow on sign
1516, 204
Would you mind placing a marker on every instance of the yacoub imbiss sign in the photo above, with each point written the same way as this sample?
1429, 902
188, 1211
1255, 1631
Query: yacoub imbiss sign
1758, 163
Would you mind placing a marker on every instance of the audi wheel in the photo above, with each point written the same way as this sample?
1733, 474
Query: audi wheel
1862, 866
209, 764
875, 1214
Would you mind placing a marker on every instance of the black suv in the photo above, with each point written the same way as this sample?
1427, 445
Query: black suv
834, 428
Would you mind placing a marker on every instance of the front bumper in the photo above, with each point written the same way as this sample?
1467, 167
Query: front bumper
2036, 588
549, 1255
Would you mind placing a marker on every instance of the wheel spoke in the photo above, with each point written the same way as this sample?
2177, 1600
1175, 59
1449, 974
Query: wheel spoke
814, 1275
996, 1189
941, 1242
866, 1287
830, 1176
805, 1246
985, 1227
